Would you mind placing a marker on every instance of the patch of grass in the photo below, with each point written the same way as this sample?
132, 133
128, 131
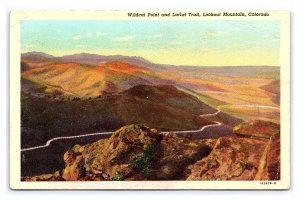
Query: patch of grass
143, 163
118, 177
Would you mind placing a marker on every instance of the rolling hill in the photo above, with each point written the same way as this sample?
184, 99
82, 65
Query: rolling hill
163, 106
89, 75
82, 80
36, 59
273, 87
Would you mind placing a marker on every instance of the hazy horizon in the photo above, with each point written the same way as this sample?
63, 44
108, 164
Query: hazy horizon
147, 60
186, 43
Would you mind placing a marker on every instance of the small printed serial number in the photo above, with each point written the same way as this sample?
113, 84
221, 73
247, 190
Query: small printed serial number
267, 183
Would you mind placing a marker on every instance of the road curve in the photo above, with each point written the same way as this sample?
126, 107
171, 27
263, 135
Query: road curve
212, 114
62, 138
215, 124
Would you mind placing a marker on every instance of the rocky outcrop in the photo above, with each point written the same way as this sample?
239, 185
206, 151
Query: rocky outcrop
252, 155
74, 160
134, 153
137, 152
115, 153
45, 177
233, 158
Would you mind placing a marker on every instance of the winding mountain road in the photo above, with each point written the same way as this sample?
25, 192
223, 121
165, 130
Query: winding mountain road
215, 124
63, 138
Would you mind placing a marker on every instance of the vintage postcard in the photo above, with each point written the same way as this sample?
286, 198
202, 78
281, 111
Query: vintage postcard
150, 100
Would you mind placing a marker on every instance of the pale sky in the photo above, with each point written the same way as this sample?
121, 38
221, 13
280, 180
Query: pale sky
197, 42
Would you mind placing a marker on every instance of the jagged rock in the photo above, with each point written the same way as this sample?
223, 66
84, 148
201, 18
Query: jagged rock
252, 155
134, 152
177, 154
232, 158
45, 177
74, 164
137, 152
122, 146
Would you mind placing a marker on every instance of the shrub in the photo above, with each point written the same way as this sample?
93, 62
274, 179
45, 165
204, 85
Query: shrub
118, 177
143, 163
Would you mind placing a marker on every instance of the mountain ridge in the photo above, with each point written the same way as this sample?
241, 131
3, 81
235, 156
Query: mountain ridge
83, 55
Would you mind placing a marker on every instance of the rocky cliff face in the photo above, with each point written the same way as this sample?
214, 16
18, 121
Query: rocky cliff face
254, 154
136, 152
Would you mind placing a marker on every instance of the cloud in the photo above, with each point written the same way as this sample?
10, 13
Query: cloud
80, 46
207, 35
123, 38
88, 35
221, 33
29, 45
155, 36
77, 37
99, 33
177, 42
